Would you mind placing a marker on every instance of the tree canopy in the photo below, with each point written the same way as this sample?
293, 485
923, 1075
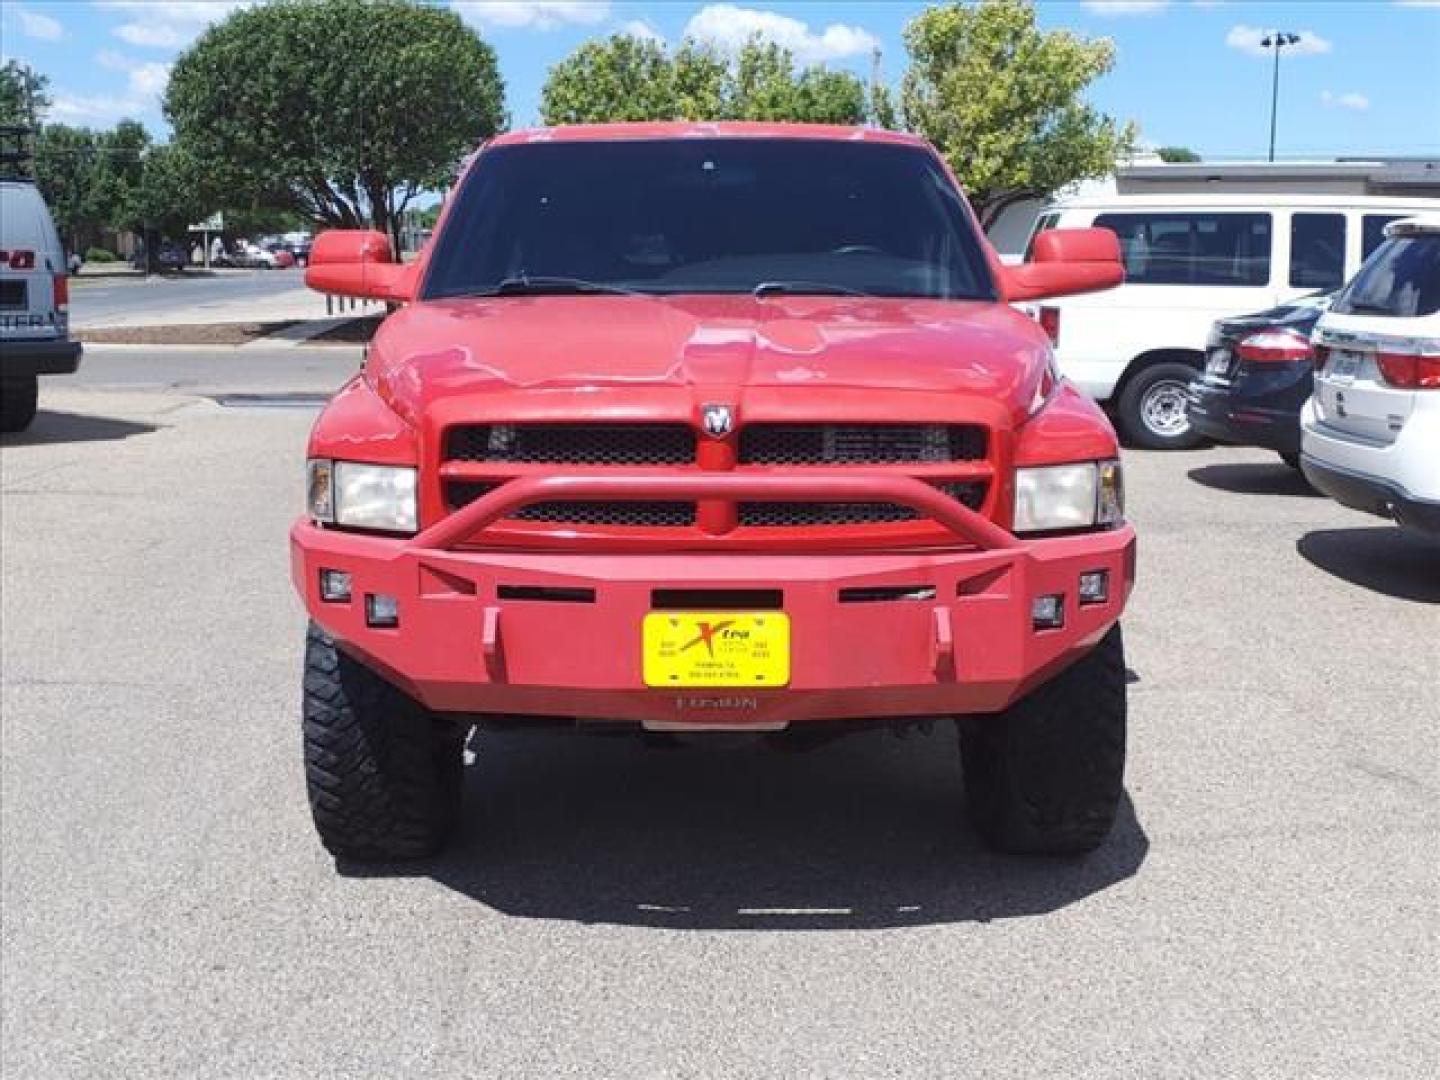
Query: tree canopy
630, 78
1177, 155
343, 110
24, 94
1001, 99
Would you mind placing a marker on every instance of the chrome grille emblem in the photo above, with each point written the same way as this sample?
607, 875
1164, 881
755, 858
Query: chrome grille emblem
717, 420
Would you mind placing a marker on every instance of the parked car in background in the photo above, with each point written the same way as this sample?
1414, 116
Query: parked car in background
247, 253
284, 257
298, 245
1190, 260
169, 258
34, 303
1371, 432
1258, 373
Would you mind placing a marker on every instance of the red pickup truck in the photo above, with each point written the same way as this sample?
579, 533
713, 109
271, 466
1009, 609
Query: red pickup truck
711, 427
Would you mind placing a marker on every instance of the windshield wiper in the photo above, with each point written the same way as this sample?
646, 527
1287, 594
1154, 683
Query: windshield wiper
803, 288
549, 285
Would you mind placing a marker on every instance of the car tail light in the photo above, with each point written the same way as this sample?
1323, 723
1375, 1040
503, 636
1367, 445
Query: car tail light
1049, 319
62, 292
1409, 371
1274, 347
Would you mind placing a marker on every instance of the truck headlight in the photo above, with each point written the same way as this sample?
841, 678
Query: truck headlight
1059, 497
362, 496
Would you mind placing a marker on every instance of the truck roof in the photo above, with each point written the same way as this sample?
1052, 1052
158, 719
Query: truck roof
693, 129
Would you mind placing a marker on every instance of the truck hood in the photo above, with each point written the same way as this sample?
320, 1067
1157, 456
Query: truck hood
689, 347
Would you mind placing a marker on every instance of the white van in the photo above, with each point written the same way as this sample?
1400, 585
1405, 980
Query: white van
1190, 260
34, 303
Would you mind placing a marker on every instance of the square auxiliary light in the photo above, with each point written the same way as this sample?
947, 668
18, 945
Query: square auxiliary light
335, 586
1047, 612
1094, 587
381, 611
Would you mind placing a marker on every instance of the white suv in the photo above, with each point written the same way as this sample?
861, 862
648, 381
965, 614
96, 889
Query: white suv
1371, 432
34, 303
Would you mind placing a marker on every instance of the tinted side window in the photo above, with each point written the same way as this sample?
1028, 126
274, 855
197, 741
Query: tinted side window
1372, 232
1317, 251
1192, 249
1401, 280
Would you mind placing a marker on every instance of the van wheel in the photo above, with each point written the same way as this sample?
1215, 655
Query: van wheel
1153, 409
382, 771
18, 397
1045, 777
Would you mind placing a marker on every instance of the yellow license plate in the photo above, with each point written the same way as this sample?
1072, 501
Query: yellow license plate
717, 648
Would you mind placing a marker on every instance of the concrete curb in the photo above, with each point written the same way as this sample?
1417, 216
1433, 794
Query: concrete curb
301, 333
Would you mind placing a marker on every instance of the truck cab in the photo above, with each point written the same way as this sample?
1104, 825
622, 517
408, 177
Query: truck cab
711, 427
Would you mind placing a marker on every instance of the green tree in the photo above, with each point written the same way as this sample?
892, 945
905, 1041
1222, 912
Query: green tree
165, 197
350, 108
1001, 99
1177, 155
626, 78
24, 94
64, 172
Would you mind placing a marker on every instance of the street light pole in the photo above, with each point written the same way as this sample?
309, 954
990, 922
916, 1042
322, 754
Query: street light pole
1277, 41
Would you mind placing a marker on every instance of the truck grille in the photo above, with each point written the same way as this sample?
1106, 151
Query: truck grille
641, 445
860, 444
798, 514
655, 515
573, 444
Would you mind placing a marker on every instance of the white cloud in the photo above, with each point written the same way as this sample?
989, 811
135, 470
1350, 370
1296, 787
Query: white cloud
152, 37
533, 14
40, 27
1248, 38
639, 28
728, 27
147, 79
167, 24
1418, 3
1358, 102
1109, 8
79, 108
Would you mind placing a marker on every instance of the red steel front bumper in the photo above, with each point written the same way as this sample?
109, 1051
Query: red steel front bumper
460, 647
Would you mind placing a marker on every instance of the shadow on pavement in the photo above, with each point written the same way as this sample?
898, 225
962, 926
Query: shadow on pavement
56, 427
867, 832
1254, 479
1384, 559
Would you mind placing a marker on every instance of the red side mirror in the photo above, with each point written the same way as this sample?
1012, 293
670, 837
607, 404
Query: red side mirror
358, 263
1065, 262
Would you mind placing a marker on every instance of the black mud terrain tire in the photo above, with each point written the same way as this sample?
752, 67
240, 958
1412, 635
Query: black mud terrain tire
1045, 777
1152, 410
19, 395
383, 772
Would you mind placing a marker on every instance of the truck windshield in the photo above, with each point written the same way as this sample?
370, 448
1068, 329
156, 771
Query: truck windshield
716, 215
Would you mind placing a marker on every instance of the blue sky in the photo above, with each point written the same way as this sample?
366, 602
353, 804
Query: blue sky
1364, 78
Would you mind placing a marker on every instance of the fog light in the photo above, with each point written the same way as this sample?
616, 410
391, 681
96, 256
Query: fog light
1095, 587
1047, 612
335, 586
381, 610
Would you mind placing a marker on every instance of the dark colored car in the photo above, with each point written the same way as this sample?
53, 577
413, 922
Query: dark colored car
1258, 373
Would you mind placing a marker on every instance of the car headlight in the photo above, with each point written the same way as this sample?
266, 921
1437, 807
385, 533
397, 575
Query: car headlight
362, 496
1059, 497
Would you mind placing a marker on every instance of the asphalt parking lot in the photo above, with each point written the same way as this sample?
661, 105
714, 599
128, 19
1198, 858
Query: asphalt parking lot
1266, 907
